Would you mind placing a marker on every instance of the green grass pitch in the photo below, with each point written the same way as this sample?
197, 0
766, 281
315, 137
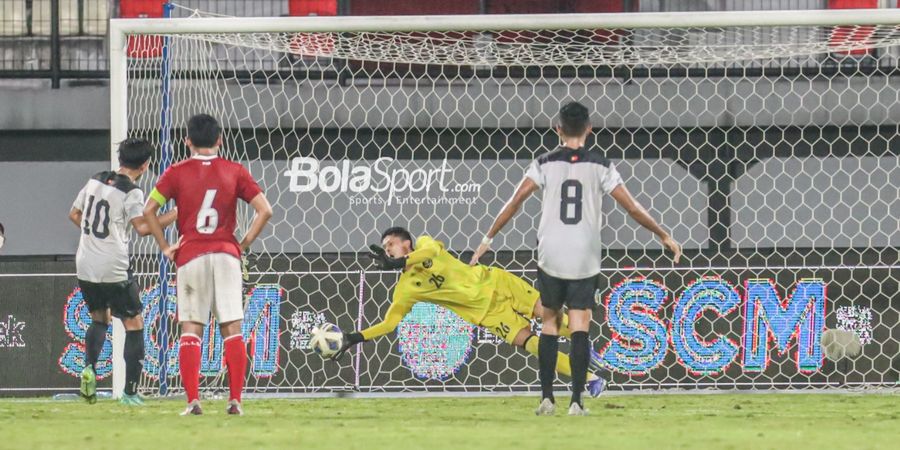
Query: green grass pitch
777, 421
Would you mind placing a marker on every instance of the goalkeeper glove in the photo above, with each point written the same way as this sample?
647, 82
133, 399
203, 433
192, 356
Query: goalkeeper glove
245, 268
350, 339
245, 276
383, 261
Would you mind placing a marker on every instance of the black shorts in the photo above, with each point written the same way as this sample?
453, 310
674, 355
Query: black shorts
575, 294
123, 298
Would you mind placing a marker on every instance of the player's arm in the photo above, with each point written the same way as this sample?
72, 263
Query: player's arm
75, 216
143, 229
154, 224
512, 207
399, 308
249, 191
263, 214
391, 320
641, 216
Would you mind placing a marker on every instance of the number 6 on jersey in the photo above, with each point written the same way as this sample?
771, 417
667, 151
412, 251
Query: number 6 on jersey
208, 217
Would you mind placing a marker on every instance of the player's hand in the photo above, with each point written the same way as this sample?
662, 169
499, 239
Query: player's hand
245, 268
245, 276
383, 261
350, 339
479, 252
172, 251
673, 247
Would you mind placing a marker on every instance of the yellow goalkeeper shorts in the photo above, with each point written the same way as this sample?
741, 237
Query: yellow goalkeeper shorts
511, 306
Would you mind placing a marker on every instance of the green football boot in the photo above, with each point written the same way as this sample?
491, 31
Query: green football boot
131, 400
89, 385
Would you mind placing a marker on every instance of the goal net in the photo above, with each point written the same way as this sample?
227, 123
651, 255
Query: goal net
770, 150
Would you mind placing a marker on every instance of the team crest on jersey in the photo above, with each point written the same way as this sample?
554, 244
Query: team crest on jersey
427, 264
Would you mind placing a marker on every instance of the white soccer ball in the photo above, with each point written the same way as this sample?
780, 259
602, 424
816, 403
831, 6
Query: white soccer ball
326, 339
840, 344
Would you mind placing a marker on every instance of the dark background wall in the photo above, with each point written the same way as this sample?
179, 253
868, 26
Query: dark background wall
35, 305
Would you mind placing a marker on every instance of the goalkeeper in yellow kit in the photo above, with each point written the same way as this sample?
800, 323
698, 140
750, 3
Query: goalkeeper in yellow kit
485, 296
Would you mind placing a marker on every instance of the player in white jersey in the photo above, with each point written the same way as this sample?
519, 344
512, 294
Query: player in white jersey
573, 181
105, 211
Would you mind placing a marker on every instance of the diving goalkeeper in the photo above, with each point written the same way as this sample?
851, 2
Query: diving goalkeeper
489, 297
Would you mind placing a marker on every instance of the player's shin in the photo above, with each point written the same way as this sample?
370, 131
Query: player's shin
134, 359
562, 360
236, 361
94, 339
189, 365
548, 353
580, 355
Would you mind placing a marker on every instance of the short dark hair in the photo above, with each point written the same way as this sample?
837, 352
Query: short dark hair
204, 130
400, 232
574, 119
134, 152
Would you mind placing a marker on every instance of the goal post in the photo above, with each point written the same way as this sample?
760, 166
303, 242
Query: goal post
766, 141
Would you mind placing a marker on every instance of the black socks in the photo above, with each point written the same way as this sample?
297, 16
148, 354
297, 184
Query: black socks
93, 343
548, 346
580, 355
134, 359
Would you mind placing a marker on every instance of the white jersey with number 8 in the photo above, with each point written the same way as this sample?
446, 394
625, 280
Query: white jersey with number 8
573, 183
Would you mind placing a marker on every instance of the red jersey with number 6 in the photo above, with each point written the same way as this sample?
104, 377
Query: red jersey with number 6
205, 190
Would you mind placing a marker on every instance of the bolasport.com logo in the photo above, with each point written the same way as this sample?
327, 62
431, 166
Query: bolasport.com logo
397, 183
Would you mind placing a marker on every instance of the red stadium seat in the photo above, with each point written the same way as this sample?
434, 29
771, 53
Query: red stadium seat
304, 44
142, 46
141, 8
411, 7
554, 7
312, 7
418, 7
844, 35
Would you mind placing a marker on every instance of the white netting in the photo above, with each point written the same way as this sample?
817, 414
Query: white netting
769, 152
561, 48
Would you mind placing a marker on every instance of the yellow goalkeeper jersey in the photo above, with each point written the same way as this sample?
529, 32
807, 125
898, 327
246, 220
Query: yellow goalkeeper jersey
435, 276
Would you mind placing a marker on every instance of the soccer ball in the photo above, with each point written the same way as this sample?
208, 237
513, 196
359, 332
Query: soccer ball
326, 339
840, 344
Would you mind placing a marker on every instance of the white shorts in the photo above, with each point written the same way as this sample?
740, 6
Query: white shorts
210, 282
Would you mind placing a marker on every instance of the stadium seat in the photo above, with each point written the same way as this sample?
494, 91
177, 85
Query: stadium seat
144, 46
411, 7
312, 7
553, 7
845, 35
141, 8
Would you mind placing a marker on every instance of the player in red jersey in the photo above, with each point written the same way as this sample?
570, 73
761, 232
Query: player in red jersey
206, 189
